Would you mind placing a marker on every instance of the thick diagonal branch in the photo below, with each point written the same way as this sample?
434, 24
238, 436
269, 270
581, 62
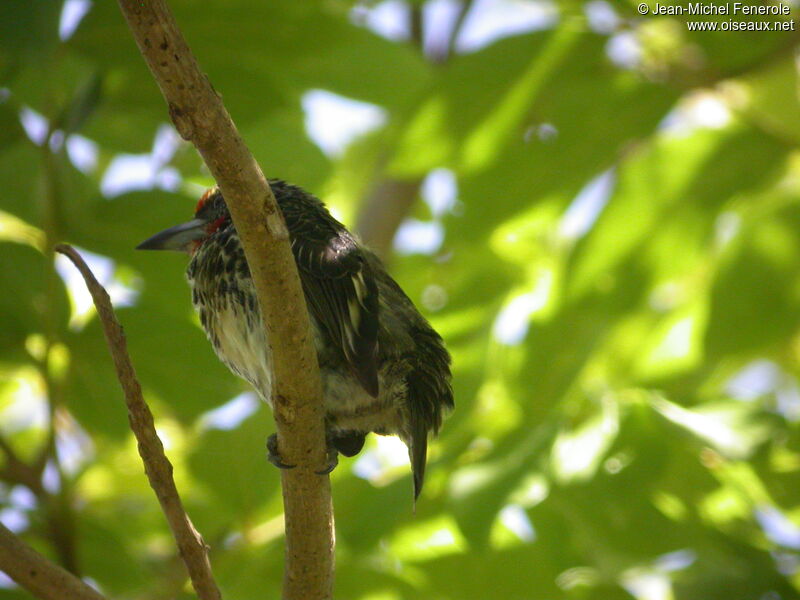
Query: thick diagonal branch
191, 546
382, 211
200, 117
41, 577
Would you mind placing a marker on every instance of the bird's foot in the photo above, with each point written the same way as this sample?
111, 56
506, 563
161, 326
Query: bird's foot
348, 443
333, 459
274, 456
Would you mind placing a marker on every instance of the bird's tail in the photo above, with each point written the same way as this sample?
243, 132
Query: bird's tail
418, 451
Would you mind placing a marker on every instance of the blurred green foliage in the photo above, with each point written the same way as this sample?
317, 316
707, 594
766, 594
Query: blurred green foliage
617, 283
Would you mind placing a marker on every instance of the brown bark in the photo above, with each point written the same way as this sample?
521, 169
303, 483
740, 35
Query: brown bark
200, 117
34, 572
191, 546
382, 212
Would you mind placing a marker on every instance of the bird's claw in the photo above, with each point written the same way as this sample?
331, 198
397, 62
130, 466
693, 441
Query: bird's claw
333, 460
274, 456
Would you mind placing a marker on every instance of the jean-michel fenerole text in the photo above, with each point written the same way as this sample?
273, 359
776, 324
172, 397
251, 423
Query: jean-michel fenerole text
723, 8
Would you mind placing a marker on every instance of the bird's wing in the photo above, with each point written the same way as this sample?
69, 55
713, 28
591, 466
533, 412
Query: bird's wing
341, 292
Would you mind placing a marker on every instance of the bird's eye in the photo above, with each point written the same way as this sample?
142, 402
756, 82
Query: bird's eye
215, 224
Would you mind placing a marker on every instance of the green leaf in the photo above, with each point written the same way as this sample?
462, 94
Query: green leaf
756, 279
27, 30
773, 98
83, 104
34, 296
234, 468
673, 172
22, 193
10, 128
733, 428
269, 138
160, 345
108, 543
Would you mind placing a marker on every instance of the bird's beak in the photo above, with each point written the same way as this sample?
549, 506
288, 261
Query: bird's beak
176, 238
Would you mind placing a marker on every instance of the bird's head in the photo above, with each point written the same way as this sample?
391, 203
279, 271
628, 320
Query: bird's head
210, 215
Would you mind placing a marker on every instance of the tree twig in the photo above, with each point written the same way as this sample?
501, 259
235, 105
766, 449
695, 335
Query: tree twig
390, 199
41, 577
382, 212
56, 507
17, 471
59, 513
463, 12
200, 117
191, 546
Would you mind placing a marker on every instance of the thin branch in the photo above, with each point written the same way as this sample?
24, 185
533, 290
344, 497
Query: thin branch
390, 200
200, 117
415, 26
41, 577
57, 508
17, 471
382, 211
59, 514
191, 546
11, 456
463, 12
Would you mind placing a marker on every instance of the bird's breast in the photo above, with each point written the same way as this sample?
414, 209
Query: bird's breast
225, 299
239, 340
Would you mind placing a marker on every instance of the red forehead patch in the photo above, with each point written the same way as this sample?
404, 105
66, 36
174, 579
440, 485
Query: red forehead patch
203, 199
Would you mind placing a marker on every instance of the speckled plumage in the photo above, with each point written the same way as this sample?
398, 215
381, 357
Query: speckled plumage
383, 368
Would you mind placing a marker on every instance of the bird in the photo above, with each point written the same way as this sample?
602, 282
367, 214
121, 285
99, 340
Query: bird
384, 369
